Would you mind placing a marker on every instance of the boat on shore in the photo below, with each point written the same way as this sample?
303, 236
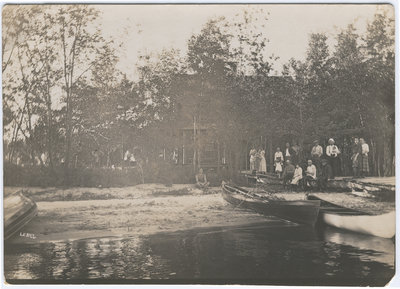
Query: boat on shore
19, 210
357, 221
301, 211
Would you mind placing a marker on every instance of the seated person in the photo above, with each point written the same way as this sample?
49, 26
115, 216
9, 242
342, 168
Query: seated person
298, 175
201, 180
288, 173
311, 174
325, 174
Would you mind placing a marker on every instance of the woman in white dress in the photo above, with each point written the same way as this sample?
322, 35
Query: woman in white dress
298, 175
263, 162
253, 153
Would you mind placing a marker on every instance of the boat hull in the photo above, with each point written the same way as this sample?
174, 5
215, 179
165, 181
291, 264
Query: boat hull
18, 211
356, 221
381, 225
302, 211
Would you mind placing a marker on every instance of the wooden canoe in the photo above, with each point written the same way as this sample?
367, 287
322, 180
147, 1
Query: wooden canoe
301, 211
352, 220
18, 211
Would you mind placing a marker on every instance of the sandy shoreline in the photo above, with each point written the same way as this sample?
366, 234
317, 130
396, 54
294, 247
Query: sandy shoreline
138, 210
79, 213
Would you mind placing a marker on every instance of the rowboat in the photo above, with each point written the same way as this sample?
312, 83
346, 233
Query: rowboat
357, 221
301, 211
18, 211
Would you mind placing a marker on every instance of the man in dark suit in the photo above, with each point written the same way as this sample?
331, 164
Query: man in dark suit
288, 152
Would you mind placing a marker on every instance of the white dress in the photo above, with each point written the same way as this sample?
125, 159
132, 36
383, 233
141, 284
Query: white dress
252, 159
298, 175
278, 164
263, 162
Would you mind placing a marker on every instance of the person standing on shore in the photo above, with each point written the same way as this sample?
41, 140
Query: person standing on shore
332, 151
356, 158
278, 161
263, 162
364, 158
288, 152
252, 159
316, 153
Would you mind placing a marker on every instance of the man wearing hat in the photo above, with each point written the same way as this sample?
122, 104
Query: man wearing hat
332, 153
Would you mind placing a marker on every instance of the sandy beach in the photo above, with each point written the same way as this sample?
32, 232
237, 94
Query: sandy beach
79, 213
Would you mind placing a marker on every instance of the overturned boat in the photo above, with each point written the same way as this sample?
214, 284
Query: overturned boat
301, 211
19, 210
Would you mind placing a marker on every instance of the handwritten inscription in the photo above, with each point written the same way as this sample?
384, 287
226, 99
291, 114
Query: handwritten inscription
27, 235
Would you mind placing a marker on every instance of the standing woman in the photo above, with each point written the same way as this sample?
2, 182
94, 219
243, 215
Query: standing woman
364, 158
263, 162
252, 159
356, 158
332, 152
278, 162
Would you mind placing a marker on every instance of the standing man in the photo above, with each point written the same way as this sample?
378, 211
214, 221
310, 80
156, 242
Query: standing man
316, 153
364, 158
289, 153
333, 152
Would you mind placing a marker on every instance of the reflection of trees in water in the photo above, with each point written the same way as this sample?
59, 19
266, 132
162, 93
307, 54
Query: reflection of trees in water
274, 255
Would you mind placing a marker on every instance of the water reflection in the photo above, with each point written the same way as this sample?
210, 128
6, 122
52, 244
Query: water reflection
247, 255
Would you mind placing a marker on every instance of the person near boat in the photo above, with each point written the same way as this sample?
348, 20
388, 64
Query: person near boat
316, 153
332, 152
201, 180
278, 161
253, 153
263, 162
288, 173
356, 157
311, 173
298, 175
325, 174
364, 158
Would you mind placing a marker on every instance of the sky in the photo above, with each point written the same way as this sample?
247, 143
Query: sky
150, 28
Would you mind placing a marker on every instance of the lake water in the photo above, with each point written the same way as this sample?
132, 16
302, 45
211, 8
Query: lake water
264, 253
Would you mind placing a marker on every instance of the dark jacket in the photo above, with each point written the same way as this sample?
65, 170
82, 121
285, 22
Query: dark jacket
326, 172
291, 152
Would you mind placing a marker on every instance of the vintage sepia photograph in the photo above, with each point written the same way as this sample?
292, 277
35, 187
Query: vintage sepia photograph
249, 144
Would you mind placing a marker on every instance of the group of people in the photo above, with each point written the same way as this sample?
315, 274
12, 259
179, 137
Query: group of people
321, 164
257, 160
